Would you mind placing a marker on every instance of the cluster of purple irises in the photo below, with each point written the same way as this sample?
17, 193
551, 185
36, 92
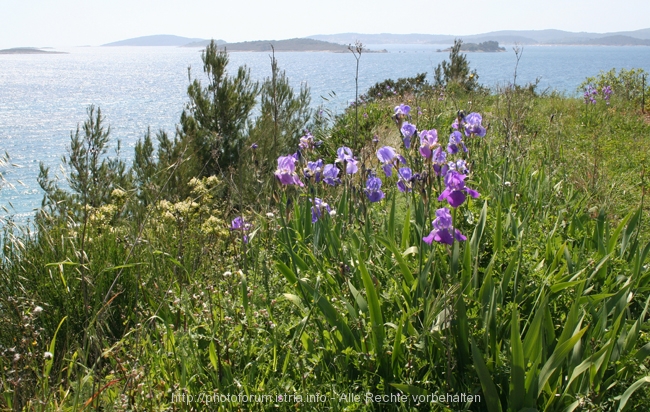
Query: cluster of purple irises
591, 92
240, 225
316, 171
453, 173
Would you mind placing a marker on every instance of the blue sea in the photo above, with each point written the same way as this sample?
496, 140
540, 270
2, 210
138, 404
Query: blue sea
43, 98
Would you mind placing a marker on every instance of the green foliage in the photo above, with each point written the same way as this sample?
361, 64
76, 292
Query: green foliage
5, 161
143, 293
217, 131
220, 111
401, 87
455, 73
284, 117
145, 170
626, 84
212, 126
371, 121
488, 46
92, 175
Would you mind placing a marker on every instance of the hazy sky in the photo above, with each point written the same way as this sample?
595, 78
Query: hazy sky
94, 22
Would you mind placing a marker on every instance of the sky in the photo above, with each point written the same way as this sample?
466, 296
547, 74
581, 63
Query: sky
68, 23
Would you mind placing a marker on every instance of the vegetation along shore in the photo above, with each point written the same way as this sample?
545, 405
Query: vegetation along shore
437, 246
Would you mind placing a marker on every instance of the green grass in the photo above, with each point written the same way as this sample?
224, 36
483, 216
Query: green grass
543, 307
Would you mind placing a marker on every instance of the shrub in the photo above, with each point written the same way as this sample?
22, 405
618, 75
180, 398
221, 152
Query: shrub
626, 84
455, 73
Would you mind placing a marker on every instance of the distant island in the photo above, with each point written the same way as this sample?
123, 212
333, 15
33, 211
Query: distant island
617, 40
289, 45
29, 50
485, 47
203, 43
523, 37
338, 43
155, 40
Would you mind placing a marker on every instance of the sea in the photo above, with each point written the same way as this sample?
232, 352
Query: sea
44, 97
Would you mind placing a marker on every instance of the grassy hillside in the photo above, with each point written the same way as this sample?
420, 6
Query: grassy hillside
364, 273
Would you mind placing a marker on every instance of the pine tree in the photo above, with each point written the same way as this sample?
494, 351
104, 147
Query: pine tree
216, 116
92, 175
456, 72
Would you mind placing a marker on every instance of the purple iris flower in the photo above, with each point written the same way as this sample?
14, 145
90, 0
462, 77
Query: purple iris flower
443, 231
351, 167
408, 130
439, 158
317, 209
254, 146
460, 165
455, 189
344, 154
306, 142
286, 172
402, 109
607, 93
405, 178
387, 156
428, 142
330, 175
373, 189
473, 125
238, 223
590, 94
455, 140
314, 169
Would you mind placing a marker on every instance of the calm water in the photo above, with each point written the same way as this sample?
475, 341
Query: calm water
44, 97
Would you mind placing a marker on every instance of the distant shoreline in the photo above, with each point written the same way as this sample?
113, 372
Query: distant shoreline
433, 48
287, 45
291, 45
29, 50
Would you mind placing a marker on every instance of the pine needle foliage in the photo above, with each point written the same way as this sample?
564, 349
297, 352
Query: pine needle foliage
215, 118
456, 73
92, 174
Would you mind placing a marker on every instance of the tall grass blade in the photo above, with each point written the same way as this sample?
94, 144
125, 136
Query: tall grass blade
376, 318
406, 230
556, 359
49, 362
489, 389
626, 395
498, 231
613, 239
403, 266
517, 375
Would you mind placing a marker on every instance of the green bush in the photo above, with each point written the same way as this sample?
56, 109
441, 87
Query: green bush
626, 84
455, 73
134, 288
